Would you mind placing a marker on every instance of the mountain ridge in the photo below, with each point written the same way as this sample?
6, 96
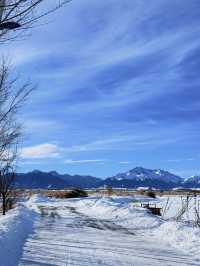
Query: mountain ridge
134, 178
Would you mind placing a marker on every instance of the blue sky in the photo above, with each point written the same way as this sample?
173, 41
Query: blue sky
118, 87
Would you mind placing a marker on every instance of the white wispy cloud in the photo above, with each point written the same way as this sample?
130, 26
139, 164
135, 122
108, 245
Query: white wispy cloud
35, 124
125, 142
125, 162
42, 151
180, 160
84, 161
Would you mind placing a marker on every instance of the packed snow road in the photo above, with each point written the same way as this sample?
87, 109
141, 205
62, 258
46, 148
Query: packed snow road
65, 234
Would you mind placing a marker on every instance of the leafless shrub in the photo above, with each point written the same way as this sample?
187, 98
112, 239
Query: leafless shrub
150, 194
165, 207
197, 218
184, 208
109, 191
74, 193
196, 211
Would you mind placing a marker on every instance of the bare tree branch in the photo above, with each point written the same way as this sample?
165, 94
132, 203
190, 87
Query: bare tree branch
21, 15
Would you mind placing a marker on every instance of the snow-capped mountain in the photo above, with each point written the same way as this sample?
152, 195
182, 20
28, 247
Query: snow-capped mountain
141, 174
145, 177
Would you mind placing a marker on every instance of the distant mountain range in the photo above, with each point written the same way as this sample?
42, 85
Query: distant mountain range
54, 180
137, 177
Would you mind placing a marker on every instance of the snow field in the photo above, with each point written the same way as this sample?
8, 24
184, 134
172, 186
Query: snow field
95, 231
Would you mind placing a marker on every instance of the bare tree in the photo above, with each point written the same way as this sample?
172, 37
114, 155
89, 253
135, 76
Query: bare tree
6, 184
16, 17
12, 99
20, 15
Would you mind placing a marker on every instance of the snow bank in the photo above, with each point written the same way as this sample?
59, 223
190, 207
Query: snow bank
119, 210
181, 236
14, 229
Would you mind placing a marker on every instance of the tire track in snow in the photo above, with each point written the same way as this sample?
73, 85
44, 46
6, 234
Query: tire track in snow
71, 238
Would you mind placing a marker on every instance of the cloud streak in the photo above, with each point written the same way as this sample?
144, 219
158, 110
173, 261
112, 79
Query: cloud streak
42, 151
84, 161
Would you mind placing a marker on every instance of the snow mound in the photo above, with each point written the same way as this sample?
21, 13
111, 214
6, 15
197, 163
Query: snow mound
36, 200
181, 236
119, 210
14, 229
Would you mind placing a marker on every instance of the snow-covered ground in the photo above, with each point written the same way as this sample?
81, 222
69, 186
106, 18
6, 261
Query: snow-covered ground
95, 231
14, 229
